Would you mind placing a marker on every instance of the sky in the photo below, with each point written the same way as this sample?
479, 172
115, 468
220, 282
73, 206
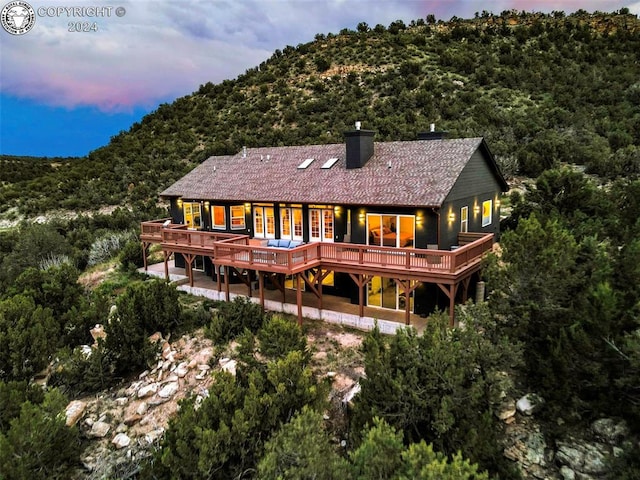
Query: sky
66, 93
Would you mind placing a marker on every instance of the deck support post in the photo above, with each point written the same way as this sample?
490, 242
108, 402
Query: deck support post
299, 297
145, 246
166, 254
450, 292
189, 266
261, 288
361, 280
226, 283
408, 287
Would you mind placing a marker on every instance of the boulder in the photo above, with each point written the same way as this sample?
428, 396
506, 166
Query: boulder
609, 430
529, 404
168, 390
181, 370
99, 430
121, 440
98, 332
230, 367
132, 419
142, 408
582, 458
506, 410
567, 473
148, 390
74, 412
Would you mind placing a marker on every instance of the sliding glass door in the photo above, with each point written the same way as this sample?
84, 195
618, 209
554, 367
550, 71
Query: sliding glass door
391, 230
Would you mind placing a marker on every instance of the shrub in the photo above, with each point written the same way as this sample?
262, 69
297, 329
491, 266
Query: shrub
106, 247
279, 336
39, 445
143, 309
78, 373
233, 317
132, 255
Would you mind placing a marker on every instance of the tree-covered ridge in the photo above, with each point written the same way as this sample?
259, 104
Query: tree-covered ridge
543, 89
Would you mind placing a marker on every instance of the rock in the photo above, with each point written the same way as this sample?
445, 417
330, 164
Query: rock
351, 394
121, 440
153, 435
121, 401
142, 408
132, 419
166, 350
143, 374
181, 370
223, 361
121, 428
506, 410
230, 367
609, 430
529, 404
155, 338
86, 350
74, 412
98, 332
582, 458
148, 390
567, 473
99, 429
168, 390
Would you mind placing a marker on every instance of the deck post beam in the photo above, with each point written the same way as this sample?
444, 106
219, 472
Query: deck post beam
226, 283
166, 255
361, 280
189, 258
408, 286
299, 297
261, 288
450, 292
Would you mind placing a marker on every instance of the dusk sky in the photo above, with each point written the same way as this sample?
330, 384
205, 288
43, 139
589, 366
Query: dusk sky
66, 93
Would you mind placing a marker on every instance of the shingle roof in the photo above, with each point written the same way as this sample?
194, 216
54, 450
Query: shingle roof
415, 173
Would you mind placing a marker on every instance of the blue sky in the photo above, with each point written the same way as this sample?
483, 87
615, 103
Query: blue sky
66, 93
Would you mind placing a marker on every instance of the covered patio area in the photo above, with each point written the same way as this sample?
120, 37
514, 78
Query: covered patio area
337, 310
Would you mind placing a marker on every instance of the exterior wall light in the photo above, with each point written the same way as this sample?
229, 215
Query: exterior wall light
452, 217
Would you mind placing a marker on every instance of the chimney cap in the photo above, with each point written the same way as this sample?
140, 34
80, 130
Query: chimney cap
358, 125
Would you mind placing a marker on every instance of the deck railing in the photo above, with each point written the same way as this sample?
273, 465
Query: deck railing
236, 250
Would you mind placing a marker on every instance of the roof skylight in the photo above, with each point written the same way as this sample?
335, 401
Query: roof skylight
306, 163
329, 163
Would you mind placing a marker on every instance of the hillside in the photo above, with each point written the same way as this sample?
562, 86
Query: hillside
543, 89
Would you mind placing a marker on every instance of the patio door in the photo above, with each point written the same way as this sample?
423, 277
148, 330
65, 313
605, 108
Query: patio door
391, 230
264, 222
383, 292
321, 224
291, 223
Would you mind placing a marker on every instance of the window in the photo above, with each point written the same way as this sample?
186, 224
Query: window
464, 219
192, 215
237, 217
264, 223
486, 212
219, 217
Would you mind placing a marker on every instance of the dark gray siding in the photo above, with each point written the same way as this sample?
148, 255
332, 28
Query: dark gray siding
476, 184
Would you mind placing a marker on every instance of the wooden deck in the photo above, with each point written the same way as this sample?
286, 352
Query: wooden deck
408, 266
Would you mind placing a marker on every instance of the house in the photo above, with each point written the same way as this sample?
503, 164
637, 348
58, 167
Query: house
374, 222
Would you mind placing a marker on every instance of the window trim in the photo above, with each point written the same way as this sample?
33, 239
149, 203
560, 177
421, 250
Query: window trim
464, 219
215, 225
488, 218
242, 216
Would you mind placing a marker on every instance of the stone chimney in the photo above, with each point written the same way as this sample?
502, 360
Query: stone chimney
359, 146
432, 134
